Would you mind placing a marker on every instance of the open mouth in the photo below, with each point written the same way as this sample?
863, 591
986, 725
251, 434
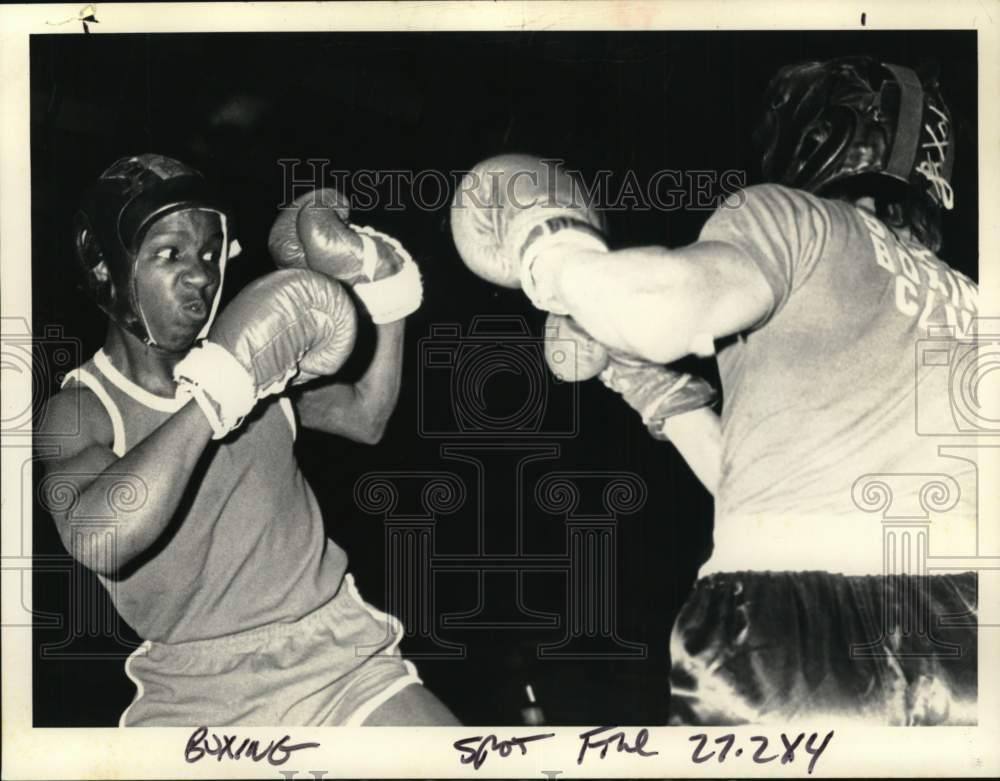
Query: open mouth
196, 309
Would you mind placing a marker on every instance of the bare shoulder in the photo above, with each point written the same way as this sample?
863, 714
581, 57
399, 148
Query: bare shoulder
73, 420
73, 441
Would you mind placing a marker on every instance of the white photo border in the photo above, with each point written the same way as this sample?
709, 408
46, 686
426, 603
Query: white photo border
30, 753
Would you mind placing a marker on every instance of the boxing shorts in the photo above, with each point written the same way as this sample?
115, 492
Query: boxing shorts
776, 647
332, 667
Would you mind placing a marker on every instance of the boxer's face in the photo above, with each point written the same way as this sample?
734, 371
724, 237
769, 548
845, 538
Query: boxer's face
177, 274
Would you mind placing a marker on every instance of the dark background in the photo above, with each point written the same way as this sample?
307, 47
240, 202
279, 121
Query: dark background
232, 105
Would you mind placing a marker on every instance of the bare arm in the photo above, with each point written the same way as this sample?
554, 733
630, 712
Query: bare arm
360, 411
654, 302
674, 406
697, 435
92, 477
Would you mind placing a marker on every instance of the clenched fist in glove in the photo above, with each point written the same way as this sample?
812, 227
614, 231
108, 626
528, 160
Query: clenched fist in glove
656, 392
511, 212
571, 353
291, 325
315, 233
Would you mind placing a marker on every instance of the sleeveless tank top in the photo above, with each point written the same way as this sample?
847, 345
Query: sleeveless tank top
247, 546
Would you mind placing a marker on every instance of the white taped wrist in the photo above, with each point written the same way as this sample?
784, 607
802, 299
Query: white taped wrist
553, 248
221, 386
393, 297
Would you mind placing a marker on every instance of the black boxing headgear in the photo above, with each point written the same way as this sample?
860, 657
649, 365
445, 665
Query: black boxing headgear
826, 122
113, 219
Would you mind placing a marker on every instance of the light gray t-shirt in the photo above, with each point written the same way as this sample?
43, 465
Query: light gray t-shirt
825, 389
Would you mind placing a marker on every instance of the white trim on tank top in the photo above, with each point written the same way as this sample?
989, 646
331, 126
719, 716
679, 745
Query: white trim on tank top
88, 380
286, 406
139, 394
159, 403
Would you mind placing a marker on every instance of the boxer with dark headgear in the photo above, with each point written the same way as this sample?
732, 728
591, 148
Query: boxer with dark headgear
855, 128
814, 289
117, 212
220, 561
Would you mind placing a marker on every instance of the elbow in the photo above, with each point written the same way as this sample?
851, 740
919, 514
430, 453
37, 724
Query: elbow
374, 430
657, 352
92, 550
377, 431
654, 346
106, 571
368, 437
377, 420
93, 558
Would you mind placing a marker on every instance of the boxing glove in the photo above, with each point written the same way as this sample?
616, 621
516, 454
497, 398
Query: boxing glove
292, 325
656, 392
510, 211
315, 234
571, 353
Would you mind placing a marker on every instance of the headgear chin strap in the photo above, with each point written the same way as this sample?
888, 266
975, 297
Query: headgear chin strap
230, 249
113, 218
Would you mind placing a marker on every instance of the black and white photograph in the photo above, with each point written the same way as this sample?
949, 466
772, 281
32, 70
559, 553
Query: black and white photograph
590, 393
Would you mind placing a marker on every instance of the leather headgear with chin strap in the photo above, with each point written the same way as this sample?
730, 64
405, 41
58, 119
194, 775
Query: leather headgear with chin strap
113, 219
826, 122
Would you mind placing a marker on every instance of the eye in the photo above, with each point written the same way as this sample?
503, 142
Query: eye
167, 253
210, 256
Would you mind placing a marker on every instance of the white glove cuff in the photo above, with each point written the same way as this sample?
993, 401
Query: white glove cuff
552, 247
221, 386
393, 297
